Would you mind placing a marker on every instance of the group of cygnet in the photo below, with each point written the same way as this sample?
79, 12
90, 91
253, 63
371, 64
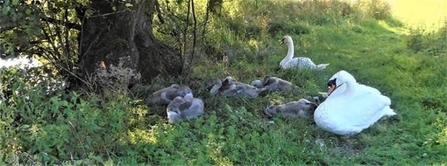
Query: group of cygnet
294, 109
181, 105
348, 109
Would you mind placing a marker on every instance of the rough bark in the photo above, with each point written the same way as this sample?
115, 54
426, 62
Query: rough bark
109, 36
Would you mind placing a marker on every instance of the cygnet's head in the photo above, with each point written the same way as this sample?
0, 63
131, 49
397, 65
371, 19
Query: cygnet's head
257, 83
188, 96
214, 85
307, 105
228, 80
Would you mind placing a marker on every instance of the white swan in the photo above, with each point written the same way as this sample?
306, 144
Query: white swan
297, 62
350, 106
184, 108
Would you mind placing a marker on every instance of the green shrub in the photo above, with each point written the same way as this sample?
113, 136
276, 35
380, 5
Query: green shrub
59, 127
277, 27
430, 43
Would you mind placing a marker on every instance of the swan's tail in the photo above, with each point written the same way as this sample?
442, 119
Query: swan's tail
322, 66
387, 111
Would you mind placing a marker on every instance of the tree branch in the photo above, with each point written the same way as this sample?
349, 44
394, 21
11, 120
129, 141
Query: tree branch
185, 32
207, 16
69, 25
159, 16
194, 32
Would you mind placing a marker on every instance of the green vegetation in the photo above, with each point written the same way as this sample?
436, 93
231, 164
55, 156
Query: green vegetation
407, 64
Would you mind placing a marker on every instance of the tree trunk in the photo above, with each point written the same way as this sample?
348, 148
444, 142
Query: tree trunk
123, 38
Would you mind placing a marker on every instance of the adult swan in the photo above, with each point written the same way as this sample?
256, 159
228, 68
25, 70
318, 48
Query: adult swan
297, 62
350, 107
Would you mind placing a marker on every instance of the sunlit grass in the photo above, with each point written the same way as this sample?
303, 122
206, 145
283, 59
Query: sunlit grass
427, 14
142, 136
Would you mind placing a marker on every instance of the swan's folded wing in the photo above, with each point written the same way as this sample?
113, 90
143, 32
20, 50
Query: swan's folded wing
368, 89
306, 62
367, 108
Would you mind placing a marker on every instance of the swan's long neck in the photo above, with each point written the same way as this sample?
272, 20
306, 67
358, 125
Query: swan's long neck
351, 86
289, 53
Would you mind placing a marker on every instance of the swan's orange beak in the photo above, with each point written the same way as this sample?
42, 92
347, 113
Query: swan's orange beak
330, 89
331, 86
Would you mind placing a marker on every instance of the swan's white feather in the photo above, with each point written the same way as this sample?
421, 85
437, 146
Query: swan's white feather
302, 63
298, 62
352, 108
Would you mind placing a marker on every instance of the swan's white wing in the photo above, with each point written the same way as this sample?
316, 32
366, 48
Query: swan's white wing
305, 62
365, 109
380, 97
298, 62
367, 89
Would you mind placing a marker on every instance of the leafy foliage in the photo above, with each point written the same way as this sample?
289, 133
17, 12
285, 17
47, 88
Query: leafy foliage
46, 29
50, 126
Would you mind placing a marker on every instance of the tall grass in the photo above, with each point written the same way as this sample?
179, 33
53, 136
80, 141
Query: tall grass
74, 128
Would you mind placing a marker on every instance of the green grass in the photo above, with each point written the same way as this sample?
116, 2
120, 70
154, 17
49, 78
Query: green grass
377, 57
117, 130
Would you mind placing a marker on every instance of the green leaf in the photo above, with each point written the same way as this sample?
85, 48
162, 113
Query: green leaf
15, 2
28, 11
5, 10
24, 127
32, 18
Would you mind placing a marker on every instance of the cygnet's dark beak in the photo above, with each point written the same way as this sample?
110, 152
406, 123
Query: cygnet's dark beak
313, 105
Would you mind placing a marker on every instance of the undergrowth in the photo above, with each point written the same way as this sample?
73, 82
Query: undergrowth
41, 126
